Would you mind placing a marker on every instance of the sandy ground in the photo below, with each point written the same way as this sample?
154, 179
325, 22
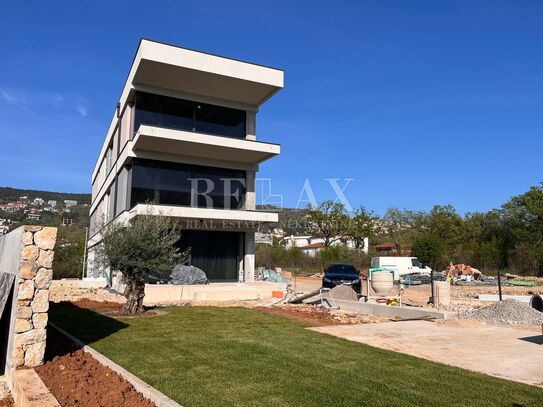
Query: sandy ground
510, 353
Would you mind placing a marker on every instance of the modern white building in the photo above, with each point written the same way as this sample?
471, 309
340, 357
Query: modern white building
183, 143
70, 203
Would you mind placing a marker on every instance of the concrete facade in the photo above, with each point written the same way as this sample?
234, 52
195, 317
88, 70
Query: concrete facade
173, 72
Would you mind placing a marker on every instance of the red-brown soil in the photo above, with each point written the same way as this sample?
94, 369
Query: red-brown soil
6, 402
76, 379
95, 305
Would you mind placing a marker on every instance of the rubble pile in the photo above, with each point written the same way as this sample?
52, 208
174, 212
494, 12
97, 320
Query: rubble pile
506, 312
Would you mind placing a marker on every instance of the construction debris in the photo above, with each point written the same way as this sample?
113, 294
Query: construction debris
506, 312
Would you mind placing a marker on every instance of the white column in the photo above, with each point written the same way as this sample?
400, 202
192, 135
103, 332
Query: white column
249, 258
250, 195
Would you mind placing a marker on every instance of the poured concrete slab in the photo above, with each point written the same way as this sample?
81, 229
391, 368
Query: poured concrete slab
381, 310
509, 353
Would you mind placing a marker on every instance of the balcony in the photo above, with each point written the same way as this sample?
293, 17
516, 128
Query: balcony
178, 142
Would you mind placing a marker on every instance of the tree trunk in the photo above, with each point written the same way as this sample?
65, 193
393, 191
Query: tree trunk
134, 293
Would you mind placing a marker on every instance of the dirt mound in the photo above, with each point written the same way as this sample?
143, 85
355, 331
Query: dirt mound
76, 379
508, 311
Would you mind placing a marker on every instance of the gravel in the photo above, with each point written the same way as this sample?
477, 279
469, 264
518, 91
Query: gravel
506, 312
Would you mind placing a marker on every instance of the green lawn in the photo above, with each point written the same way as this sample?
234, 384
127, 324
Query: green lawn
204, 356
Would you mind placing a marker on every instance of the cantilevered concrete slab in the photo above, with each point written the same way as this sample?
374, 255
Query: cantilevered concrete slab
170, 67
225, 219
169, 141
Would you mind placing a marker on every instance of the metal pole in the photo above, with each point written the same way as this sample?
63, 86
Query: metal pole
432, 301
499, 285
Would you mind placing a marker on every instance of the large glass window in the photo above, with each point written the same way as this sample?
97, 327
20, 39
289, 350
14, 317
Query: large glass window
187, 185
219, 120
164, 111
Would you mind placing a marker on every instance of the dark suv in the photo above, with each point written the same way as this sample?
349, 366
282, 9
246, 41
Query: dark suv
341, 274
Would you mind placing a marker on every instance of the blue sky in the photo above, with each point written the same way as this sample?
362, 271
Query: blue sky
421, 102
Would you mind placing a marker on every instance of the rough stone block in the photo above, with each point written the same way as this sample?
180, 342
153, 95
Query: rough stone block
18, 356
28, 238
39, 320
34, 354
43, 278
26, 290
45, 239
33, 228
28, 269
30, 253
24, 312
40, 303
22, 325
45, 258
27, 338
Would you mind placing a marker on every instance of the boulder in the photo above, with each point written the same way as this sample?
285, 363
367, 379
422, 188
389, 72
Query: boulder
187, 275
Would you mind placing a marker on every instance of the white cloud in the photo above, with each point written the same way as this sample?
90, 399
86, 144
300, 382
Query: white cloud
14, 97
39, 101
82, 111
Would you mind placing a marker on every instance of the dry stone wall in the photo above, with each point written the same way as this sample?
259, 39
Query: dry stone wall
35, 275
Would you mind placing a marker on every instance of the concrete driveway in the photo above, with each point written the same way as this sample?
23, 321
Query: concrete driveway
510, 353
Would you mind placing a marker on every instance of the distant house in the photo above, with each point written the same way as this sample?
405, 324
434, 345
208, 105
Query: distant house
312, 249
296, 241
69, 203
391, 249
38, 201
12, 207
52, 203
33, 216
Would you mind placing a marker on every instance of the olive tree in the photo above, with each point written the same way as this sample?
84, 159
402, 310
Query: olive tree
363, 224
146, 244
329, 220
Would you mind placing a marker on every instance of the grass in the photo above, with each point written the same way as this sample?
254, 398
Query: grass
205, 356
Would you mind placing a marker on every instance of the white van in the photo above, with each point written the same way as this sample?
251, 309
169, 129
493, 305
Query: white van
400, 265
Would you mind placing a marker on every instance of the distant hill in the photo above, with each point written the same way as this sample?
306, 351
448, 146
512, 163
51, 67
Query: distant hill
8, 194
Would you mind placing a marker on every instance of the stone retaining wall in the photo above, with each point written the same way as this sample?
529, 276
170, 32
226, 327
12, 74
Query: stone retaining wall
35, 275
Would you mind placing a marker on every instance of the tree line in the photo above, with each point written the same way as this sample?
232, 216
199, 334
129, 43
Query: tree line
508, 238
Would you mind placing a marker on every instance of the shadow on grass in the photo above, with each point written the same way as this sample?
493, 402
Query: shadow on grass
85, 324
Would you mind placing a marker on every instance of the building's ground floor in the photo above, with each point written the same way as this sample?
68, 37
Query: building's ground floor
224, 255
